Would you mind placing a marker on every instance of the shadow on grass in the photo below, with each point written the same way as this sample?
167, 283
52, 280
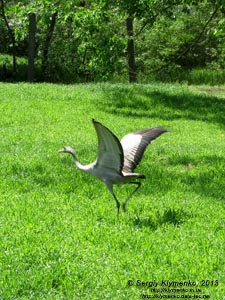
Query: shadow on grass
205, 177
139, 101
170, 216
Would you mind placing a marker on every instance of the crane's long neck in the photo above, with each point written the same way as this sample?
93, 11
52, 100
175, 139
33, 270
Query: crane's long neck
77, 163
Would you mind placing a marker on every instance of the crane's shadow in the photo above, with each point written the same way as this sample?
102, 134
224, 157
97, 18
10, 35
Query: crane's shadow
169, 217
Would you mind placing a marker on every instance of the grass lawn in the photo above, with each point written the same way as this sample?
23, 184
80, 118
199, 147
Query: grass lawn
60, 236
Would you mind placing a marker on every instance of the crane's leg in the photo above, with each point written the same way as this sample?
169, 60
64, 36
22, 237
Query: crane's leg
135, 190
110, 188
117, 203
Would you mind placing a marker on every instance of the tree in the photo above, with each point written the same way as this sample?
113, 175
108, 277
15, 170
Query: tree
146, 13
95, 40
130, 50
11, 34
31, 50
47, 42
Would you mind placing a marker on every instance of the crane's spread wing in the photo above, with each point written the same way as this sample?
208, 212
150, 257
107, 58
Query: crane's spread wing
134, 145
110, 151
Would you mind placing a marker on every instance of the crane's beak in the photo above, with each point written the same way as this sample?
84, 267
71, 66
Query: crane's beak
61, 150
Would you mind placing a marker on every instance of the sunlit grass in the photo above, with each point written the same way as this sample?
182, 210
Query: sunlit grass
60, 237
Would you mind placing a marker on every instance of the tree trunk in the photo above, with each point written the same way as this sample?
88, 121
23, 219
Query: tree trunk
11, 35
48, 43
31, 49
130, 50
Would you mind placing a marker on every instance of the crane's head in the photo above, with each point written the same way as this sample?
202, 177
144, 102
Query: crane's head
67, 149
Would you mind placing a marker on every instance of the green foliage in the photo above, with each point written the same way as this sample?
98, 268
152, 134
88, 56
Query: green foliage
60, 237
205, 76
174, 46
89, 40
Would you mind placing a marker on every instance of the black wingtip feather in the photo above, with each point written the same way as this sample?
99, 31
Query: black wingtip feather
96, 122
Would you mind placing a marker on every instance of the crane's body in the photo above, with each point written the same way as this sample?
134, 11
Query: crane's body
117, 160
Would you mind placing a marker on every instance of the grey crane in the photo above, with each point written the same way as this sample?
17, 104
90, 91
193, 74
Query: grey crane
117, 160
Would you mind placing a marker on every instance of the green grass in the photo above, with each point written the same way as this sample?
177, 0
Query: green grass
208, 76
60, 237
